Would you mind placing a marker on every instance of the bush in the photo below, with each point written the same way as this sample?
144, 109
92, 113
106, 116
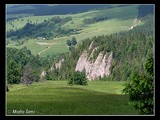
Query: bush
69, 43
77, 78
73, 41
48, 76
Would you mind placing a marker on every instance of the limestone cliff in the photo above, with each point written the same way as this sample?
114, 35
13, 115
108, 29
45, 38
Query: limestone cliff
59, 64
56, 65
95, 69
42, 75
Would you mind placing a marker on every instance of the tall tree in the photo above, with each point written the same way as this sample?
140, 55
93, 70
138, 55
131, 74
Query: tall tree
13, 72
141, 89
69, 43
73, 41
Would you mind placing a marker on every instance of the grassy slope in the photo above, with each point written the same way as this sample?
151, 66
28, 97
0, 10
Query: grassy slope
122, 19
57, 98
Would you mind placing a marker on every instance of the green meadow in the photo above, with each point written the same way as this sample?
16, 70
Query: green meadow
58, 98
121, 19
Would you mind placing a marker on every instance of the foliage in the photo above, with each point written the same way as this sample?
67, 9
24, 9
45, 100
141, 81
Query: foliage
48, 76
77, 78
149, 66
47, 29
41, 10
94, 19
144, 10
69, 43
140, 89
17, 59
13, 72
73, 41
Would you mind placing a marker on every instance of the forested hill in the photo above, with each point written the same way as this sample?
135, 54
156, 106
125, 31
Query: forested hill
144, 10
130, 49
39, 10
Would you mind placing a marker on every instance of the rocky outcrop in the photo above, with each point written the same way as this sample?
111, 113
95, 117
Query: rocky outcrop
99, 68
42, 75
135, 23
59, 64
54, 66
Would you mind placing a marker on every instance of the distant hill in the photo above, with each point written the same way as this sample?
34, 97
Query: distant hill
144, 10
38, 9
55, 9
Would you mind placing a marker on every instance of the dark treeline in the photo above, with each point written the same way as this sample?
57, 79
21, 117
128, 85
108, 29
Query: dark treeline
94, 19
9, 19
47, 29
55, 10
40, 10
144, 10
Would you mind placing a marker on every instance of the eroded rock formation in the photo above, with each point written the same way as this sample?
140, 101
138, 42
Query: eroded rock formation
59, 64
95, 69
42, 75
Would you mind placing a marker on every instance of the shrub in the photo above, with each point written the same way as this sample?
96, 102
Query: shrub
77, 78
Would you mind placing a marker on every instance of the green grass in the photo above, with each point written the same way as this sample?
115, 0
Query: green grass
121, 20
58, 98
122, 13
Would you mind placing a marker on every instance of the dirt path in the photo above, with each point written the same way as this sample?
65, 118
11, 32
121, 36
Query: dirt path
44, 43
135, 23
44, 50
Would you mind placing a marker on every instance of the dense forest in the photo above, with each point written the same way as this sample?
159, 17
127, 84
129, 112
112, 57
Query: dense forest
19, 59
94, 20
144, 10
40, 10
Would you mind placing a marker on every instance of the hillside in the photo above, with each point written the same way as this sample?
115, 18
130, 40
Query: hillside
55, 9
118, 19
118, 54
18, 10
57, 98
125, 36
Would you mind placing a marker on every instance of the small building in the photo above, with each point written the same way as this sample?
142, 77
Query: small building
41, 38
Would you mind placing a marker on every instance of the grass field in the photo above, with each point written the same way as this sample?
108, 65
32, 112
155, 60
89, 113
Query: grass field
58, 98
121, 20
